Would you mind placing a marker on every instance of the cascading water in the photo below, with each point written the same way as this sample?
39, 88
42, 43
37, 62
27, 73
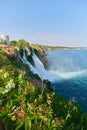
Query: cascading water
38, 64
25, 61
42, 72
38, 67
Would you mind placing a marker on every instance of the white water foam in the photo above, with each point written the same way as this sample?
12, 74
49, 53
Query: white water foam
42, 72
25, 61
39, 67
68, 75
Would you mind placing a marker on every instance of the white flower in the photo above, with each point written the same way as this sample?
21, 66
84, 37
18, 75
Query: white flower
13, 85
5, 75
1, 70
10, 85
11, 80
6, 91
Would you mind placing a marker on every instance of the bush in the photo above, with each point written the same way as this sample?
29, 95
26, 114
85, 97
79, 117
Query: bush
25, 106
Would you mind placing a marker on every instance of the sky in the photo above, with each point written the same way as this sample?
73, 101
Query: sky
48, 22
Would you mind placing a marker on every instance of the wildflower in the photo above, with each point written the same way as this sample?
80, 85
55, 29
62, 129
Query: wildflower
21, 113
18, 119
5, 75
48, 96
46, 120
49, 102
53, 93
16, 111
40, 97
6, 91
10, 85
22, 103
31, 105
39, 107
58, 121
75, 108
3, 109
1, 70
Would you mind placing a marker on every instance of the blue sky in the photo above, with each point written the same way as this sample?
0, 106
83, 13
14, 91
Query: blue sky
49, 22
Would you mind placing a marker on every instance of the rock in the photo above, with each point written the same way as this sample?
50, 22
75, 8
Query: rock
47, 84
11, 51
41, 54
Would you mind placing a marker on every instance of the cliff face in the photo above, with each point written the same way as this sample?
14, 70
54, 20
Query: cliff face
11, 54
13, 51
10, 50
41, 53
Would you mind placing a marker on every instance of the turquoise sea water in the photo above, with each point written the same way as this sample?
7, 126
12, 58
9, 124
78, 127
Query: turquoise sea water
71, 66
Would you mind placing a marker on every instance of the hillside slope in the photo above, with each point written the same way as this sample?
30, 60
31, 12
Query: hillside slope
24, 105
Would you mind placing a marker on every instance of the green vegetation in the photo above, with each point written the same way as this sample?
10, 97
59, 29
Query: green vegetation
25, 106
14, 42
2, 43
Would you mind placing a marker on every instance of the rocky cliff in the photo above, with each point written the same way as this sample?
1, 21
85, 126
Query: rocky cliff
12, 55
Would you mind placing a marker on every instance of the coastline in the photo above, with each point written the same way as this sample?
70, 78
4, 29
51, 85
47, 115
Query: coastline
24, 99
64, 48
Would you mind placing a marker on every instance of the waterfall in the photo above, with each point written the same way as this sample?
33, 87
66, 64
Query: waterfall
38, 67
25, 61
42, 72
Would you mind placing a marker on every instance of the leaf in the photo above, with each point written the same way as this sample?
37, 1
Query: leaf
19, 126
2, 89
27, 124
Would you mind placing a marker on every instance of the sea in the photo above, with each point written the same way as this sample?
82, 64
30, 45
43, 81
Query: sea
70, 68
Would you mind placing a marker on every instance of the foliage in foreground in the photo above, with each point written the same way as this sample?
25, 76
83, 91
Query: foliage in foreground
26, 107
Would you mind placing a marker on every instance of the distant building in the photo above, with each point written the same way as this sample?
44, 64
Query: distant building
4, 39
